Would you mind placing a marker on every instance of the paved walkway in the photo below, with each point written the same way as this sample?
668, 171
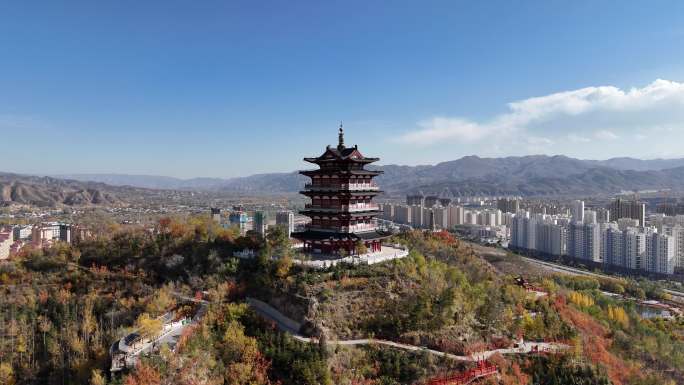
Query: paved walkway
128, 355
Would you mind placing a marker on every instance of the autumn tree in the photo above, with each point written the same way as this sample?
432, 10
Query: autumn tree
581, 299
143, 375
360, 248
161, 302
96, 378
6, 374
618, 314
148, 327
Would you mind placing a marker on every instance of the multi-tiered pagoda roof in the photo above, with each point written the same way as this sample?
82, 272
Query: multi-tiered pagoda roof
341, 210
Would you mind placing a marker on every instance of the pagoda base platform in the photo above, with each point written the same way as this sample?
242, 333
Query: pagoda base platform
322, 261
323, 242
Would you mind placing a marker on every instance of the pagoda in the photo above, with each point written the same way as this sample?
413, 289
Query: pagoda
342, 211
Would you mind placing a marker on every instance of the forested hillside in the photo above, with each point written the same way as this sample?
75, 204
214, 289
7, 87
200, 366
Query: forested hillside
63, 307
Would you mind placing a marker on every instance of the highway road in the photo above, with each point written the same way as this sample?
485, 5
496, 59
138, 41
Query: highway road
574, 271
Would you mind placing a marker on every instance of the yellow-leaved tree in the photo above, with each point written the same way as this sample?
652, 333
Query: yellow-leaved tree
581, 300
6, 374
149, 327
96, 378
618, 314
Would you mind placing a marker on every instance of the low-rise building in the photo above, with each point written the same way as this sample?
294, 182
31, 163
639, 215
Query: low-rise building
6, 241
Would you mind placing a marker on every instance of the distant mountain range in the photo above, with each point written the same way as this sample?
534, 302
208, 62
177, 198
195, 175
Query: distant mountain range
47, 191
149, 181
535, 175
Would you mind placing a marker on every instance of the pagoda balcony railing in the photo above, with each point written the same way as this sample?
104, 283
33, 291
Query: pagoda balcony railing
343, 187
350, 208
364, 227
363, 207
362, 186
345, 229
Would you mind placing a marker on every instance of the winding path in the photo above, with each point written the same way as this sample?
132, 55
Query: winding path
292, 327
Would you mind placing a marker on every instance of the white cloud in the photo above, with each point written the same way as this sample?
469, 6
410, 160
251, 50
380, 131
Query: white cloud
439, 129
604, 113
537, 140
578, 139
605, 135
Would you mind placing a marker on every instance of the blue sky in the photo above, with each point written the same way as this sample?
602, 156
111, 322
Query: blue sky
229, 88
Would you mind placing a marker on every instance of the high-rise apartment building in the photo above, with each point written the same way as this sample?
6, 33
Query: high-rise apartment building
660, 253
260, 222
577, 211
428, 219
507, 205
402, 214
589, 217
456, 216
441, 217
417, 216
612, 246
592, 242
602, 215
635, 248
625, 223
238, 219
623, 208
415, 199
677, 233
584, 241
430, 201
444, 201
387, 212
285, 219
518, 230
216, 214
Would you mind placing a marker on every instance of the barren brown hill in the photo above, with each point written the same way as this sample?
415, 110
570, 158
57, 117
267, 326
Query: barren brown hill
47, 191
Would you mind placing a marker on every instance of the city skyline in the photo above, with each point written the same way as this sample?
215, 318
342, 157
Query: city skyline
162, 89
